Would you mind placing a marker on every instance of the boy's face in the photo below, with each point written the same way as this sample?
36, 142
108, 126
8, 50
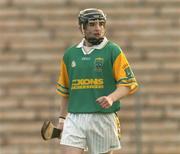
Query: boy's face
95, 29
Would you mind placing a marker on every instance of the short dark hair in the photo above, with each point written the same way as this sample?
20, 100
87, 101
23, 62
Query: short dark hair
90, 14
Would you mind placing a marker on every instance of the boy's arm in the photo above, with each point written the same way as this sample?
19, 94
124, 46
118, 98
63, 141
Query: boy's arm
107, 101
63, 111
63, 106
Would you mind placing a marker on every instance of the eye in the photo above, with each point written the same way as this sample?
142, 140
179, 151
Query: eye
101, 23
91, 24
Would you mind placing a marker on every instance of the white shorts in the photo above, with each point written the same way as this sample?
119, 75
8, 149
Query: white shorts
97, 132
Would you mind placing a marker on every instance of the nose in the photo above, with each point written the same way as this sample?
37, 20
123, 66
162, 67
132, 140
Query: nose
97, 26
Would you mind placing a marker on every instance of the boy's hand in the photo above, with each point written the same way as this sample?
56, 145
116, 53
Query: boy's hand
104, 101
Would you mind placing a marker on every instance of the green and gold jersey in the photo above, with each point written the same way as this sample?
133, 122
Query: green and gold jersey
85, 77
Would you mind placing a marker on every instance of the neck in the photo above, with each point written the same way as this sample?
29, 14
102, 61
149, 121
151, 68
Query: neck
93, 41
86, 43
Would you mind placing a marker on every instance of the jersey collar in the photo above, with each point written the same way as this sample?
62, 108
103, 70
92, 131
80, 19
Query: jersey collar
100, 46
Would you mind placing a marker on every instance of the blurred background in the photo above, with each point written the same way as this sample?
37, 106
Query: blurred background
33, 36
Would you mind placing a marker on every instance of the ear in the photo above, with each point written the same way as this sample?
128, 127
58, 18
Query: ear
81, 29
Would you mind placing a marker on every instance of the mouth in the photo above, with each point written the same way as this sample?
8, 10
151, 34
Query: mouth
97, 34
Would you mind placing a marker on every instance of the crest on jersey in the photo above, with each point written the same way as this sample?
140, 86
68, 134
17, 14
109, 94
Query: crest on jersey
99, 63
73, 64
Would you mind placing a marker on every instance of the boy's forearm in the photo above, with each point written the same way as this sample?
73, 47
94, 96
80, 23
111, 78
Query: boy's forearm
63, 106
107, 101
119, 93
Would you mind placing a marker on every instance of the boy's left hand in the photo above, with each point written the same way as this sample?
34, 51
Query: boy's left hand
104, 101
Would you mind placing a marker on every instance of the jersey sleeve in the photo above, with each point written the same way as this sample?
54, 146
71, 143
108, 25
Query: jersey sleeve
123, 73
63, 81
